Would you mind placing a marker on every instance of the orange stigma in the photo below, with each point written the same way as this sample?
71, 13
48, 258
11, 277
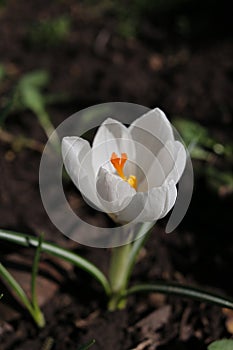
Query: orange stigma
118, 163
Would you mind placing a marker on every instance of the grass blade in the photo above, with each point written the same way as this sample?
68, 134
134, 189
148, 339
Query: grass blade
35, 267
183, 291
87, 346
75, 259
9, 279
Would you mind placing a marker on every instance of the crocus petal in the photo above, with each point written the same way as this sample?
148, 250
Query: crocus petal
172, 158
148, 206
170, 198
112, 136
153, 176
152, 130
75, 151
114, 193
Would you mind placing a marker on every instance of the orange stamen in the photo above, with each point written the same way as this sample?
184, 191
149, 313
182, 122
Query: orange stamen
118, 163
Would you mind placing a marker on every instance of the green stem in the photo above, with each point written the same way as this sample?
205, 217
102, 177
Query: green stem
180, 290
121, 266
143, 235
117, 277
75, 259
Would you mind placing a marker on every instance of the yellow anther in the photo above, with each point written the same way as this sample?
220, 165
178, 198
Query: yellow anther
132, 180
118, 163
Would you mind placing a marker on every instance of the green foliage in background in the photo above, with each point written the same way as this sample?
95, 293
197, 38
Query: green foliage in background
200, 143
49, 32
224, 344
203, 147
87, 346
30, 94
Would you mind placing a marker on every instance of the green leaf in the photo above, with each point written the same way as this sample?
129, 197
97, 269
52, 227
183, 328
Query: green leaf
1, 295
224, 344
35, 268
49, 32
30, 96
36, 79
181, 290
29, 90
15, 286
191, 131
10, 280
53, 249
32, 99
87, 346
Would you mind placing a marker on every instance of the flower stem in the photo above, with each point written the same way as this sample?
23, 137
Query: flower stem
117, 276
121, 266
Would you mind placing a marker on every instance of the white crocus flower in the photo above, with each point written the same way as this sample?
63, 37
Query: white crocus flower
130, 173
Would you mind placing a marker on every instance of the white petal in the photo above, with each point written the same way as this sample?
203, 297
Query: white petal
75, 153
112, 136
149, 206
74, 149
152, 130
153, 177
172, 159
114, 193
170, 199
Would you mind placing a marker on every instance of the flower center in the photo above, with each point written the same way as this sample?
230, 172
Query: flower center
118, 163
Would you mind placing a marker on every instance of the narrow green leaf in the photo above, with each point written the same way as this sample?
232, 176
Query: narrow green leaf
36, 78
32, 99
1, 295
9, 279
183, 291
87, 346
35, 267
30, 96
14, 285
224, 344
26, 240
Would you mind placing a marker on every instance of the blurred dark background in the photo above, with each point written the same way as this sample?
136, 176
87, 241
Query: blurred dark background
176, 54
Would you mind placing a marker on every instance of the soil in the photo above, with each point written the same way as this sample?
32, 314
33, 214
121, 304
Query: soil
185, 76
